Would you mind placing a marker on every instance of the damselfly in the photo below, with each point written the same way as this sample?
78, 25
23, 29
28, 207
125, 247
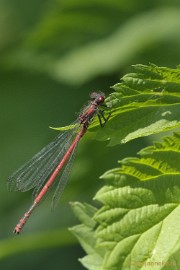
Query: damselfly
41, 170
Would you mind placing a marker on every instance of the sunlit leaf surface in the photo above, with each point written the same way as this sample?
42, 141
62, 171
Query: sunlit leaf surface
138, 224
144, 103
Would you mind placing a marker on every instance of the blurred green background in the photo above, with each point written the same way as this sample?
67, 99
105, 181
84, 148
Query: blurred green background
53, 53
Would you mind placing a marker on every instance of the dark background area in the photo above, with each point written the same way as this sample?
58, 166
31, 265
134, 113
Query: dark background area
53, 54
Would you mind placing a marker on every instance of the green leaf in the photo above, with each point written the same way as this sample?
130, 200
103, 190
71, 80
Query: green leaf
85, 214
138, 224
144, 103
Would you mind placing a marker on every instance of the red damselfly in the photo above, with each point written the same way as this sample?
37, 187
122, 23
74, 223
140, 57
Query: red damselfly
41, 170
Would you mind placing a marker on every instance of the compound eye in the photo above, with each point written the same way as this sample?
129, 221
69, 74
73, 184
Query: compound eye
97, 97
101, 99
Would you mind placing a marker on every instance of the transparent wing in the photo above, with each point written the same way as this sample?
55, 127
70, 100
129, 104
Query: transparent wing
36, 171
63, 180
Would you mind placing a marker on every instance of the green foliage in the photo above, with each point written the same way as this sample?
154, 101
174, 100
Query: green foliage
76, 41
145, 102
138, 223
37, 241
